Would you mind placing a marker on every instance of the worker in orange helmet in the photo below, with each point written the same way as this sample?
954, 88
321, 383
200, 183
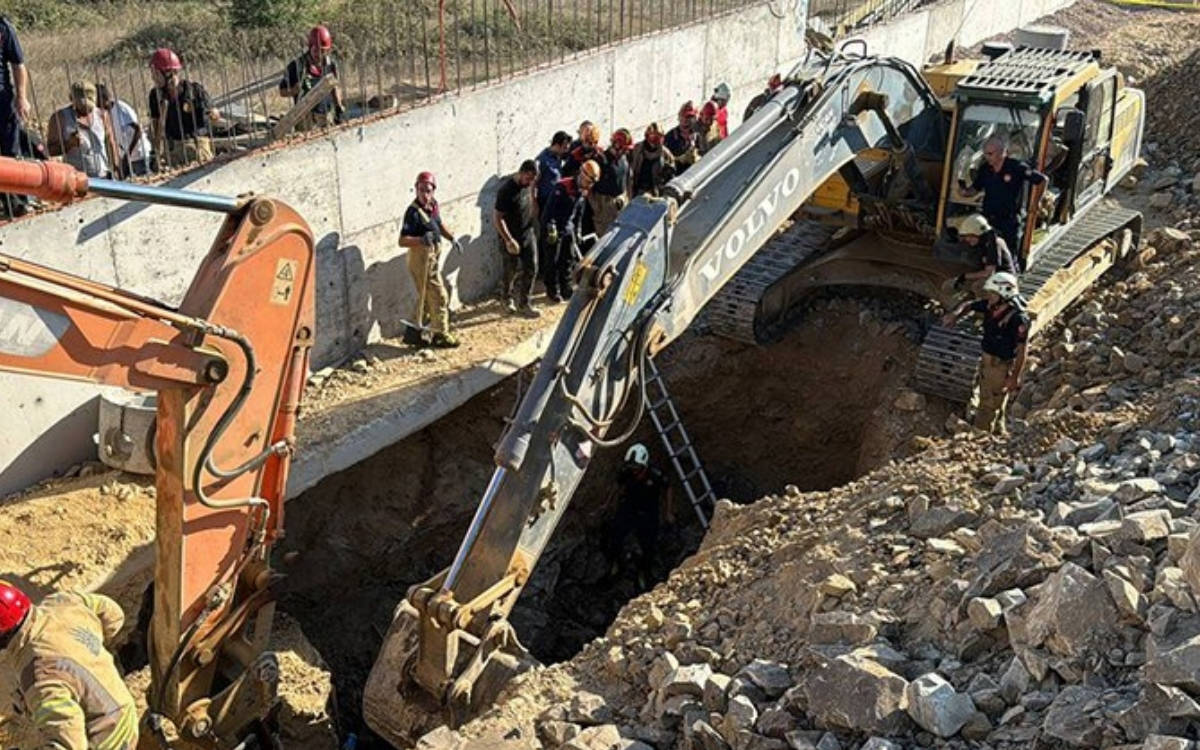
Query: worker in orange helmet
569, 227
68, 684
181, 116
306, 71
651, 165
421, 234
588, 148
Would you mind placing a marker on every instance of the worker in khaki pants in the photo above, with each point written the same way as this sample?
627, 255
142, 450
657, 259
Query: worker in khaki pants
421, 234
67, 682
1005, 333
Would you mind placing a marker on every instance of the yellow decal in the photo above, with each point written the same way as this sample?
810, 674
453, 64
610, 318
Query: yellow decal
635, 283
284, 283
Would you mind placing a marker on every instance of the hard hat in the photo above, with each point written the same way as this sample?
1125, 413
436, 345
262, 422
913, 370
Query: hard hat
1003, 284
591, 169
975, 224
708, 112
590, 135
319, 39
638, 454
688, 110
653, 134
622, 139
775, 82
165, 60
427, 177
722, 93
14, 606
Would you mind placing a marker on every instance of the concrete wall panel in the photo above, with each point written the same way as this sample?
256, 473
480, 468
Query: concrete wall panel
353, 186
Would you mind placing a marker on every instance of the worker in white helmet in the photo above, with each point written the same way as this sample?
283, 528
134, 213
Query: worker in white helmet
1005, 335
645, 500
993, 254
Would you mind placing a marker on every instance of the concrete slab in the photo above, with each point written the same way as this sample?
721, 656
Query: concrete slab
944, 21
903, 38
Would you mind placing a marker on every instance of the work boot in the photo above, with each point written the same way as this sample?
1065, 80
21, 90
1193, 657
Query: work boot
553, 298
527, 311
445, 340
510, 307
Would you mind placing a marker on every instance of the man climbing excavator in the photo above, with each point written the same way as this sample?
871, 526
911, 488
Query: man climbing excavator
229, 365
848, 158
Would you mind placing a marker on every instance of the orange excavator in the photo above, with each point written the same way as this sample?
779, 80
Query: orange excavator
229, 365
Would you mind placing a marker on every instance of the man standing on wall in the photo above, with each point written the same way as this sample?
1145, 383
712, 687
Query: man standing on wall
180, 113
515, 219
421, 234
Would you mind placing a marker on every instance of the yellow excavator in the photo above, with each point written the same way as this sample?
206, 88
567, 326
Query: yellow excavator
848, 176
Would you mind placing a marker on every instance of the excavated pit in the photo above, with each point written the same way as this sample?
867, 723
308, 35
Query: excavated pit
815, 409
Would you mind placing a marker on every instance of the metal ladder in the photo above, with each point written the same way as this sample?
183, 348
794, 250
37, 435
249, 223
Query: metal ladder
677, 442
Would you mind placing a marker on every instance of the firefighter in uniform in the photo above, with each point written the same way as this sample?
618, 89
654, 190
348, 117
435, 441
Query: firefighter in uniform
645, 504
421, 234
67, 682
1005, 333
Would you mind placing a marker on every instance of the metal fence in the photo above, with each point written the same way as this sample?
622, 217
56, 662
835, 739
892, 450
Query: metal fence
389, 60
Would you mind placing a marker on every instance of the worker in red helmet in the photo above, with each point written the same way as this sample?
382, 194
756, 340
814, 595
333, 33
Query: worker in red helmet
68, 684
421, 234
708, 133
306, 71
611, 192
774, 86
651, 165
681, 139
180, 114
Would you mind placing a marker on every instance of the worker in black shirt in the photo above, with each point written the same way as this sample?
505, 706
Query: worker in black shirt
644, 496
305, 72
421, 234
1002, 180
515, 218
180, 113
1005, 333
975, 232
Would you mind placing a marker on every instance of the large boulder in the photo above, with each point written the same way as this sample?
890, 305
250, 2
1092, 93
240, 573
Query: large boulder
1073, 717
855, 693
1073, 614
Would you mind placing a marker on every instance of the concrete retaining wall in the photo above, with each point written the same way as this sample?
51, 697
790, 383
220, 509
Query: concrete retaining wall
353, 185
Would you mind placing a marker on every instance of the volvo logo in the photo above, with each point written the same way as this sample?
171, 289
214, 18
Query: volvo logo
718, 265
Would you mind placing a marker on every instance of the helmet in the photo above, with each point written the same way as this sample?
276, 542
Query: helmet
654, 135
589, 135
622, 140
427, 177
319, 40
164, 60
708, 112
775, 82
1003, 284
687, 111
14, 606
638, 454
975, 224
591, 169
722, 93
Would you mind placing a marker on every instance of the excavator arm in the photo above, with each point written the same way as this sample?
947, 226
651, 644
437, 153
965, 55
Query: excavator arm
229, 365
639, 288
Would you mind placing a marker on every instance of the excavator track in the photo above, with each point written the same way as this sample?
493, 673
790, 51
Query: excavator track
737, 311
949, 357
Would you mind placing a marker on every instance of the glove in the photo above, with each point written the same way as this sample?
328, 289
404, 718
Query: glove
431, 239
456, 246
552, 235
513, 247
958, 282
621, 202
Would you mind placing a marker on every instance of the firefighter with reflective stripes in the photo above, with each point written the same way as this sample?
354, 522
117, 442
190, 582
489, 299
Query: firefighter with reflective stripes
67, 682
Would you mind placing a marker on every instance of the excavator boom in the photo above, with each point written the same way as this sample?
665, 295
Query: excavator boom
639, 288
229, 365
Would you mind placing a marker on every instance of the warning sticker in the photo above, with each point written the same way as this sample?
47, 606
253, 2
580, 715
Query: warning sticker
636, 279
285, 282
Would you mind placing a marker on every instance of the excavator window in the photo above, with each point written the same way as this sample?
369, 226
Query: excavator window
976, 124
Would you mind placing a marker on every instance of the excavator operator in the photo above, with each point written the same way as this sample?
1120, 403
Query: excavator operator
67, 682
